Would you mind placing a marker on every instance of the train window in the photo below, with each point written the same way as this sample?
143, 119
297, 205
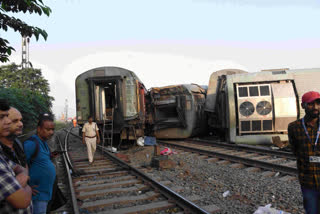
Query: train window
243, 91
254, 91
245, 126
267, 125
256, 125
264, 90
130, 97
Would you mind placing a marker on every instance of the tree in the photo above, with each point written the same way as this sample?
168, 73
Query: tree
6, 21
29, 103
13, 76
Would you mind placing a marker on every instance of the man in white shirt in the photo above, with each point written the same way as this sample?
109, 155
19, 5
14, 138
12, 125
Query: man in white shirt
90, 136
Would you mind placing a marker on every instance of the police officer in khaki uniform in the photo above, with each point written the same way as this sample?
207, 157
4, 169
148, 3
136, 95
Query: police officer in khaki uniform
90, 136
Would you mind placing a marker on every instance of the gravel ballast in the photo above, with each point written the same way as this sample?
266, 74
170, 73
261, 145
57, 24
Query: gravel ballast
248, 190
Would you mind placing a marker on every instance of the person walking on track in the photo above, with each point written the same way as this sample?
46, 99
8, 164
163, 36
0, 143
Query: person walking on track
90, 137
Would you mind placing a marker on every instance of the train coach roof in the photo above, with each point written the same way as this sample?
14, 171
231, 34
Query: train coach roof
218, 73
181, 88
307, 70
107, 71
273, 72
270, 75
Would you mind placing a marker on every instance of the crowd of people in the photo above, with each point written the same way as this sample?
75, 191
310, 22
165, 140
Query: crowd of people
27, 174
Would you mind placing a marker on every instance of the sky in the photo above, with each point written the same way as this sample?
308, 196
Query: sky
168, 42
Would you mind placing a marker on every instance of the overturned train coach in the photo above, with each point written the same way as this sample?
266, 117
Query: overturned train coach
177, 111
112, 93
251, 108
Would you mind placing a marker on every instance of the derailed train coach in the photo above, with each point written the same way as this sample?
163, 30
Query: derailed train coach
251, 108
112, 93
177, 111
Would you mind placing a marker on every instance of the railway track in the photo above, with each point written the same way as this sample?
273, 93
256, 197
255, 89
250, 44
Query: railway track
240, 156
110, 185
246, 148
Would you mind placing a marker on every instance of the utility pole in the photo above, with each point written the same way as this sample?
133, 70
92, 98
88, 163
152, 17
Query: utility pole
25, 52
66, 109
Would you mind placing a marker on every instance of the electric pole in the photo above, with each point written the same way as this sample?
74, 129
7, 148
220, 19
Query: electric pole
66, 109
25, 53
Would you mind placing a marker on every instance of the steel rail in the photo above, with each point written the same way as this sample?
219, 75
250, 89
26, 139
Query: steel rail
182, 202
73, 195
246, 148
243, 160
247, 161
66, 148
73, 134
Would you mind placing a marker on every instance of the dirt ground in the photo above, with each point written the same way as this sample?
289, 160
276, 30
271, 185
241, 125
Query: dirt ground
139, 156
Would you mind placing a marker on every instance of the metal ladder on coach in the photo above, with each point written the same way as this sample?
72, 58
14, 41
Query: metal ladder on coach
108, 130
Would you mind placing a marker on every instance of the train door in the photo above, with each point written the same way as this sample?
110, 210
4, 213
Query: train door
105, 100
110, 99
